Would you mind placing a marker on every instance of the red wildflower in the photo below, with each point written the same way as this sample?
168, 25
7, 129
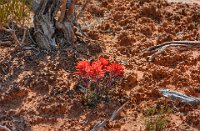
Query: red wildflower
115, 69
82, 67
98, 72
97, 69
103, 61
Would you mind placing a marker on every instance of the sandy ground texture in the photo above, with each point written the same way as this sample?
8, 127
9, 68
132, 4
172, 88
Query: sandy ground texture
185, 1
37, 88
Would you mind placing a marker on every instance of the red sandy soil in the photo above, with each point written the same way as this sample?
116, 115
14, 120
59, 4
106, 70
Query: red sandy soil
185, 1
35, 87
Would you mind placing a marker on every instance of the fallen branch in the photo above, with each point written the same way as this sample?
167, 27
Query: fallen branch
116, 112
179, 96
101, 124
4, 128
13, 33
158, 49
31, 38
24, 36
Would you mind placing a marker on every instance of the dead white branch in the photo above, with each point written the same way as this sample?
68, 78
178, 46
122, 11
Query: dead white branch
116, 112
179, 96
24, 36
100, 124
158, 49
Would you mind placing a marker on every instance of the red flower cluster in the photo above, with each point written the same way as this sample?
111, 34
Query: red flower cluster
97, 69
115, 69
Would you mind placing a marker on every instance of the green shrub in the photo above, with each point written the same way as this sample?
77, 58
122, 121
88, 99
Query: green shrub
156, 118
13, 11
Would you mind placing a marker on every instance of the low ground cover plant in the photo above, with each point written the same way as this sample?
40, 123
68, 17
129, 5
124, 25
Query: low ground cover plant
16, 11
156, 119
98, 78
14, 14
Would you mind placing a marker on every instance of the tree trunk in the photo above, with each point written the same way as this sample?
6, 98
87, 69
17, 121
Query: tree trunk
53, 23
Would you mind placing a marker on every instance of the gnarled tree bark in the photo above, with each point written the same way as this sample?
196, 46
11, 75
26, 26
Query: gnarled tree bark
53, 23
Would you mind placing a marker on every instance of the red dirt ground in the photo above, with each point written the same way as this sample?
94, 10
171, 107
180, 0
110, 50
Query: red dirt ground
35, 87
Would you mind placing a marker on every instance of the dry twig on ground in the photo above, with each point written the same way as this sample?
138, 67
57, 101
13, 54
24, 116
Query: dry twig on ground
13, 33
158, 49
101, 124
179, 96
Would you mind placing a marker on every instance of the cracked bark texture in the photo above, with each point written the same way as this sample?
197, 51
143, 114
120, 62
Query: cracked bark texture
53, 23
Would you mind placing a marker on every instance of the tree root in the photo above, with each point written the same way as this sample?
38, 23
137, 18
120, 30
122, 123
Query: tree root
50, 33
158, 49
101, 124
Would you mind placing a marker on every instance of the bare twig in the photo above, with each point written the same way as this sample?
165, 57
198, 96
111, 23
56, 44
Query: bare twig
158, 49
179, 96
172, 42
101, 124
15, 37
31, 38
161, 49
24, 36
116, 112
12, 32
